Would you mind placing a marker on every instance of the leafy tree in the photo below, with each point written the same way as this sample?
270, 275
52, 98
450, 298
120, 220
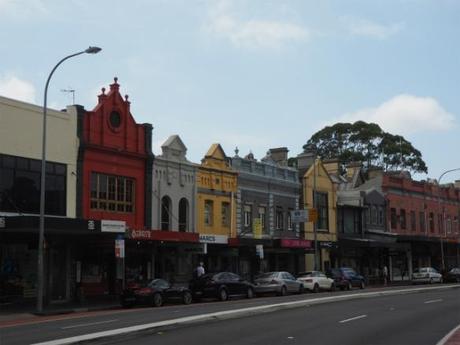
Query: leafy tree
367, 143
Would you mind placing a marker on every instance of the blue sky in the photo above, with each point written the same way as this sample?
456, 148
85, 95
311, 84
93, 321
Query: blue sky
249, 73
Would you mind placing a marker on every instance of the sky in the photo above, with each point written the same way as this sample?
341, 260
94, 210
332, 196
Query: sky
252, 74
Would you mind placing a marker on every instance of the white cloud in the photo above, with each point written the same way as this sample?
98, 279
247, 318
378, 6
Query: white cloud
15, 88
252, 33
367, 28
21, 8
405, 114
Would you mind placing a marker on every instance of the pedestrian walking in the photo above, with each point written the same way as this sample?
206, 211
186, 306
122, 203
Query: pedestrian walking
199, 270
385, 275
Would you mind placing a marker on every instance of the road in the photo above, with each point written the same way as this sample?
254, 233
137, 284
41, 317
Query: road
312, 319
418, 319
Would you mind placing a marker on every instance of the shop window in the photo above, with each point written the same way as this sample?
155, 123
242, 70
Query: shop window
166, 213
323, 211
208, 214
393, 218
111, 193
402, 218
225, 214
247, 216
262, 218
279, 219
431, 221
422, 221
183, 215
413, 222
20, 186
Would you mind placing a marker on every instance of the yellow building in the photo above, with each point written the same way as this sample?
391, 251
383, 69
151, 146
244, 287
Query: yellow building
316, 181
216, 207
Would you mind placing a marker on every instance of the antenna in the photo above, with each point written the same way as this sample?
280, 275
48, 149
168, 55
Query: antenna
72, 91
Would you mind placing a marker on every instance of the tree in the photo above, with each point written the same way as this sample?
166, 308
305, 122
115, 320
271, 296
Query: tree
367, 143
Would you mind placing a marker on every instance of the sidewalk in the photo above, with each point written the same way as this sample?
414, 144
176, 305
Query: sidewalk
10, 312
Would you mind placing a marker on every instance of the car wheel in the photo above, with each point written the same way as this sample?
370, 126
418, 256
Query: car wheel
283, 291
332, 289
362, 285
250, 293
223, 295
349, 286
187, 297
157, 300
316, 288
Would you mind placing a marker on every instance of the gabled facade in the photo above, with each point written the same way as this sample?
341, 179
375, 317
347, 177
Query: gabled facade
216, 207
319, 192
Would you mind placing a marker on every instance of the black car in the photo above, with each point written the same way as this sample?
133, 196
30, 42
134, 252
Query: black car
346, 278
155, 293
221, 286
453, 276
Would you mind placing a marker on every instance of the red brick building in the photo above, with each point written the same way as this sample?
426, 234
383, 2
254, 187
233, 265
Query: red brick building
114, 174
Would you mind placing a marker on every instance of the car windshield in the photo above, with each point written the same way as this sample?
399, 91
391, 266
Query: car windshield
267, 275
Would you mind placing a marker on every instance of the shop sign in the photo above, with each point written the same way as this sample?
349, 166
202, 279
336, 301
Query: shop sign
219, 239
295, 243
327, 244
118, 226
119, 248
2, 222
194, 249
257, 227
140, 234
299, 216
260, 251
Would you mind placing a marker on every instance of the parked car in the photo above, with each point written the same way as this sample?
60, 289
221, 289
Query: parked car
426, 275
453, 276
221, 285
316, 280
278, 282
155, 293
346, 278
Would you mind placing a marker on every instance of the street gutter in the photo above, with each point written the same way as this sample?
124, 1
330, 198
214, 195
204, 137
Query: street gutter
232, 314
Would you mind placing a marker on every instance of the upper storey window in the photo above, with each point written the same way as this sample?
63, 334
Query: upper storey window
112, 193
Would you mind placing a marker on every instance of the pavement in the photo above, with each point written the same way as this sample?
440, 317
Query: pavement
452, 338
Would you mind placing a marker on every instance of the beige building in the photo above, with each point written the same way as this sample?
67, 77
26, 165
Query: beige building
21, 136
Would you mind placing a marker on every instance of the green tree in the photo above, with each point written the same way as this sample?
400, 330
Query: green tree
367, 143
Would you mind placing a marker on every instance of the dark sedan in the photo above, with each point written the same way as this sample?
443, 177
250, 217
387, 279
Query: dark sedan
453, 276
221, 286
346, 278
155, 293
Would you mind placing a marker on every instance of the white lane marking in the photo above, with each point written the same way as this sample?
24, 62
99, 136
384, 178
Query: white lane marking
88, 324
433, 301
353, 318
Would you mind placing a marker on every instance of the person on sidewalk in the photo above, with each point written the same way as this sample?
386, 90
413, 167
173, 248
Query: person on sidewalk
199, 271
385, 275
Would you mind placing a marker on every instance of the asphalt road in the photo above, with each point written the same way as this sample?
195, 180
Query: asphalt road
72, 325
422, 318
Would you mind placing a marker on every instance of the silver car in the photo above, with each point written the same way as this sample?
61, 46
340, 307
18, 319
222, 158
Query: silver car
426, 275
280, 283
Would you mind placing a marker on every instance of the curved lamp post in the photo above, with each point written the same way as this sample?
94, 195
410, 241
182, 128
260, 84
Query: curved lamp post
443, 215
41, 236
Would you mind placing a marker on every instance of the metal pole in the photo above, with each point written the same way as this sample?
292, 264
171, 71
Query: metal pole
315, 222
41, 235
443, 217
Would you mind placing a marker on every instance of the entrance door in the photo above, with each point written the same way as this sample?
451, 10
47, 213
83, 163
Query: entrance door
58, 273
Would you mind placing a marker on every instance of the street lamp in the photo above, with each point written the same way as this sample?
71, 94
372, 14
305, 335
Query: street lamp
443, 215
41, 236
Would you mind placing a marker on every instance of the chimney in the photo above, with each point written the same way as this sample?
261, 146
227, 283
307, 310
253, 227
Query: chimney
352, 168
332, 166
279, 155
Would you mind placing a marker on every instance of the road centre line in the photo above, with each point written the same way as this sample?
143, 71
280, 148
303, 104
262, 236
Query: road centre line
433, 301
89, 324
353, 318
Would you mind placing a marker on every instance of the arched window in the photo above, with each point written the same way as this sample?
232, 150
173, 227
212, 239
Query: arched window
166, 213
183, 215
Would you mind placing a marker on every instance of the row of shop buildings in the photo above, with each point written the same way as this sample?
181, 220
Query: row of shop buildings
115, 212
